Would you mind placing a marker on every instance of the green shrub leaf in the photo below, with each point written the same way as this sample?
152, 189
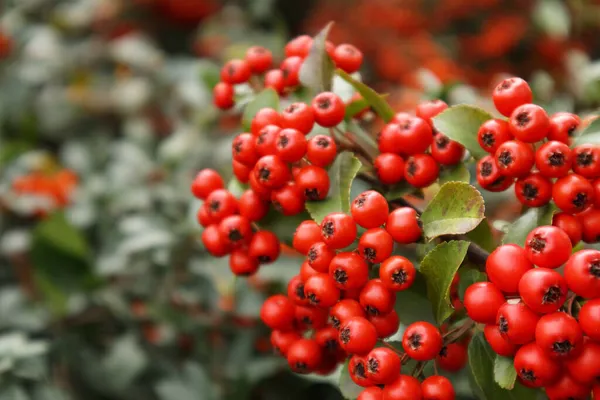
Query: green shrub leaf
457, 173
505, 374
461, 123
439, 267
267, 98
348, 388
518, 230
482, 236
590, 134
377, 101
316, 72
341, 174
456, 209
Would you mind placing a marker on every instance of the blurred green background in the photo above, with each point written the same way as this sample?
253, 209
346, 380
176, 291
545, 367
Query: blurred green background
105, 117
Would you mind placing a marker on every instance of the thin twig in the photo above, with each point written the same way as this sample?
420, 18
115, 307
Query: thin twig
455, 334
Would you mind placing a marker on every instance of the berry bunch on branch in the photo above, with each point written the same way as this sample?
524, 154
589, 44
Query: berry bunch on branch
524, 313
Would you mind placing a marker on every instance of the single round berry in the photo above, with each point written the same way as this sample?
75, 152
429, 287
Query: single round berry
582, 273
347, 58
510, 94
371, 393
573, 193
349, 270
282, 341
499, 343
235, 72
298, 116
304, 356
242, 264
309, 317
326, 338
357, 368
534, 190
203, 216
386, 325
213, 242
389, 168
570, 225
489, 176
492, 133
264, 117
321, 150
543, 290
389, 140
514, 158
290, 67
259, 59
429, 109
589, 319
223, 96
221, 204
241, 171
328, 109
343, 311
376, 298
438, 387
321, 291
291, 145
357, 336
274, 80
535, 367
554, 159
517, 322
404, 225
446, 151
422, 341
529, 123
415, 134
299, 46
261, 190
295, 291
266, 140
243, 149
397, 273
405, 387
548, 246
277, 312
375, 245
271, 172
252, 206
319, 256
585, 366
590, 225
314, 182
206, 182
338, 230
264, 247
586, 160
506, 275
289, 199
559, 335
452, 357
306, 234
370, 209
482, 301
563, 126
421, 170
566, 387
383, 366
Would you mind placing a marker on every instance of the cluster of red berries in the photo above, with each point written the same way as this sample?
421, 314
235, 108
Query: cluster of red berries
529, 312
404, 142
257, 69
228, 225
334, 309
532, 151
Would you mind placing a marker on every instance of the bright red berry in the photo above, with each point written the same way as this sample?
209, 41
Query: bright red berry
205, 182
321, 150
534, 190
535, 367
321, 291
370, 209
266, 141
319, 256
358, 336
271, 172
298, 116
589, 319
489, 176
241, 263
241, 171
553, 159
283, 340
258, 188
265, 247
259, 59
375, 245
543, 290
221, 204
289, 199
299, 46
585, 366
429, 109
452, 357
314, 182
438, 387
338, 230
499, 343
386, 325
573, 193
290, 67
277, 312
529, 123
235, 72
223, 96
383, 366
514, 158
482, 301
582, 273
264, 116
510, 94
343, 311
243, 149
566, 387
586, 160
563, 126
376, 298
371, 393
570, 225
347, 57
213, 241
517, 322
421, 170
415, 134
590, 224
306, 234
349, 270
274, 79
389, 168
291, 145
404, 225
309, 317
397, 273
492, 133
422, 341
203, 216
328, 109
506, 275
295, 291
304, 356
548, 246
405, 387
559, 335
446, 151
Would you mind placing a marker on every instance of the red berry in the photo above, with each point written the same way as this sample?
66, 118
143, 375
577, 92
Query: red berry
295, 291
347, 58
259, 59
314, 182
375, 245
271, 172
321, 150
274, 79
326, 338
213, 242
492, 133
261, 190
452, 357
307, 234
321, 291
328, 109
585, 366
338, 230
221, 204
389, 168
499, 343
415, 134
489, 176
370, 209
205, 182
266, 141
389, 140
573, 193
559, 335
554, 159
567, 388
596, 185
371, 393
235, 72
422, 341
510, 94
291, 145
288, 200
383, 366
535, 367
264, 117
570, 225
563, 126
349, 270
582, 273
344, 310
386, 325
304, 356
241, 263
589, 319
529, 123
517, 322
421, 170
277, 312
223, 95
376, 298
203, 216
299, 46
514, 159
446, 151
590, 224
319, 256
405, 387
308, 317
548, 246
358, 336
397, 273
298, 116
429, 109
482, 301
357, 368
438, 387
586, 160
543, 290
506, 275
265, 247
534, 190
241, 171
404, 225
243, 149
283, 340
290, 67
235, 230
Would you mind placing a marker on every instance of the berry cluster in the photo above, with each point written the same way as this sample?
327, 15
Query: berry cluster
532, 151
529, 312
404, 142
256, 68
335, 308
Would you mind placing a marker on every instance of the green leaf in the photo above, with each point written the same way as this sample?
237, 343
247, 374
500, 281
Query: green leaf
468, 276
355, 107
439, 268
505, 374
456, 209
534, 217
457, 173
412, 304
377, 101
461, 123
341, 174
590, 134
399, 190
236, 187
268, 98
348, 388
317, 69
360, 137
60, 234
482, 235
481, 364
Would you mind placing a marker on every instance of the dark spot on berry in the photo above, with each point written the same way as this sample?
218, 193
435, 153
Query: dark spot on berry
235, 235
552, 295
331, 345
313, 298
292, 107
505, 158
564, 347
498, 182
420, 223
231, 70
300, 366
214, 205
340, 276
527, 375
530, 192
486, 169
400, 276
285, 74
571, 130
277, 206
283, 141
312, 255
370, 254
328, 229
323, 143
345, 335
537, 243
444, 351
488, 139
311, 194
277, 350
595, 269
414, 341
580, 200
335, 322
523, 118
505, 85
264, 259
359, 370
502, 324
264, 174
348, 50
412, 168
307, 321
237, 146
556, 159
373, 365
585, 158
262, 137
259, 50
441, 141
405, 124
324, 103
300, 291
372, 310
360, 201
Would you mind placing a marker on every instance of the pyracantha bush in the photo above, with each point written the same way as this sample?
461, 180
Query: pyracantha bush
525, 314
